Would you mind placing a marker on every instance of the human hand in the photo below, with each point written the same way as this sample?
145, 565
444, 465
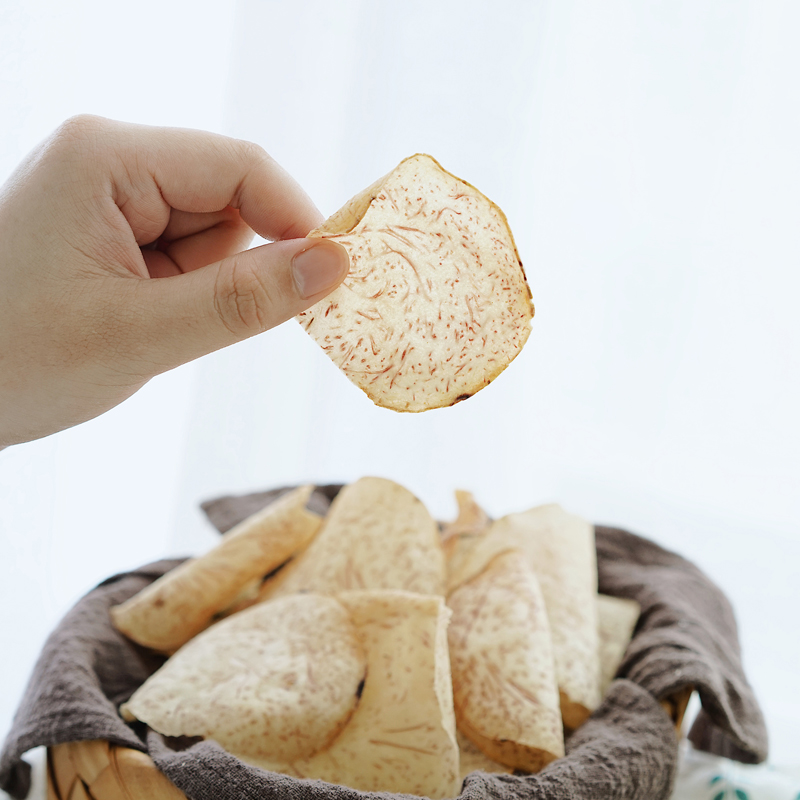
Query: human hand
121, 258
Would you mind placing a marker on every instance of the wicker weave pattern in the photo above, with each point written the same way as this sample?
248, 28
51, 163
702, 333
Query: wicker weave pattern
100, 771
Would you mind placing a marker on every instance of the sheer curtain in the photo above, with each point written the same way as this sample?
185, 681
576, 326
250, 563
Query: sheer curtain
646, 157
100, 498
645, 161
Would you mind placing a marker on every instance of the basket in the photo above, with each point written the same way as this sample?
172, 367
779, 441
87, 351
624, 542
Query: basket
98, 770
101, 771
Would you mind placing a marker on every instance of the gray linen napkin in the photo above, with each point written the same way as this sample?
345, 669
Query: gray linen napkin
689, 640
626, 751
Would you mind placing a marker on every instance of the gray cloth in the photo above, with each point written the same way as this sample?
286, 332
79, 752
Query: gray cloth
626, 751
228, 511
686, 636
85, 671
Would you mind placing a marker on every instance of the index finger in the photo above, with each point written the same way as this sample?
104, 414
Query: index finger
197, 171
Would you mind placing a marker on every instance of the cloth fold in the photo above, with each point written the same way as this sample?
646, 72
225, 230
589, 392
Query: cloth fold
628, 749
85, 670
686, 636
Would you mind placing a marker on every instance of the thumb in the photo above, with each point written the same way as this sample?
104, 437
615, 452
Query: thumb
186, 316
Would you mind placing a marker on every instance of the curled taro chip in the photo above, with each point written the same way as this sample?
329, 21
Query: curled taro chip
436, 304
504, 685
471, 759
278, 681
617, 618
184, 601
377, 535
461, 535
401, 737
472, 520
561, 550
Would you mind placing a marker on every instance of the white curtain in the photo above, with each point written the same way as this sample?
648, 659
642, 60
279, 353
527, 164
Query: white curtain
646, 156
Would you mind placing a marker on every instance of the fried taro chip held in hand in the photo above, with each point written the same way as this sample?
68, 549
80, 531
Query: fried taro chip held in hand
436, 304
402, 736
279, 680
504, 686
377, 535
176, 607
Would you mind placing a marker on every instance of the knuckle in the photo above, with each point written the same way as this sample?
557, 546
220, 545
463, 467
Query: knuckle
252, 158
241, 300
78, 138
254, 153
79, 128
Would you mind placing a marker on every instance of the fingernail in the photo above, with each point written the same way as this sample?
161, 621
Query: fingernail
319, 267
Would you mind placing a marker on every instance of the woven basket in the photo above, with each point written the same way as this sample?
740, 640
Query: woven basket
101, 771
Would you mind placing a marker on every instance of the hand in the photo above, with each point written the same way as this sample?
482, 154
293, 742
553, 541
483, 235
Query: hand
121, 258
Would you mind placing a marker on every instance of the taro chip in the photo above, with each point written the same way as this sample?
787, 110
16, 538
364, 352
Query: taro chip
461, 535
617, 618
561, 549
436, 304
402, 736
504, 685
277, 681
185, 600
471, 759
472, 520
377, 535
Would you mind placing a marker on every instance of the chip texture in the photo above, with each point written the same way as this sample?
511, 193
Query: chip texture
402, 736
184, 601
278, 681
377, 535
504, 686
617, 617
561, 549
460, 536
471, 759
436, 304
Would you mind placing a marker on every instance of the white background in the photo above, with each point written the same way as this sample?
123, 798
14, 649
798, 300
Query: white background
647, 157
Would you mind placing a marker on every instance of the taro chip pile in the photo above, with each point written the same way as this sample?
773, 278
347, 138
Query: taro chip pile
271, 683
436, 304
486, 624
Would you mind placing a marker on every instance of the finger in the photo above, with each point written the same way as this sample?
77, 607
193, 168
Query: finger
191, 241
192, 252
203, 248
209, 246
160, 265
203, 172
180, 318
187, 223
